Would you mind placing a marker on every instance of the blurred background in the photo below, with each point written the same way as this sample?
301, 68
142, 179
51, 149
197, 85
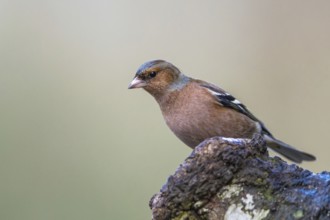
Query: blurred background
75, 143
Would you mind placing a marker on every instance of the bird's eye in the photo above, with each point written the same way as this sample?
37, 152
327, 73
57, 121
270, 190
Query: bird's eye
153, 74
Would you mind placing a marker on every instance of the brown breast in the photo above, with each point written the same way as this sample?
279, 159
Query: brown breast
194, 117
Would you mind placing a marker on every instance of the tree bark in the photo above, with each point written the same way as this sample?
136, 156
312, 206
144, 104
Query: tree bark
226, 178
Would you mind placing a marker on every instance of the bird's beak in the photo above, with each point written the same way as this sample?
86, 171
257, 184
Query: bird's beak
137, 83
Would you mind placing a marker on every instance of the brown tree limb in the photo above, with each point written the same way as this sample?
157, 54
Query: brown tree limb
227, 178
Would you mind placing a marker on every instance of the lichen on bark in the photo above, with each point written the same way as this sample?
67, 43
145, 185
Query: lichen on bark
227, 178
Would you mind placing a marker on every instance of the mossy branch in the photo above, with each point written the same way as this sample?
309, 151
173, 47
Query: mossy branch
226, 178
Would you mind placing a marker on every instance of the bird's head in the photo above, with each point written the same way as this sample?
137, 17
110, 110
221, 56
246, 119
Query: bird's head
158, 77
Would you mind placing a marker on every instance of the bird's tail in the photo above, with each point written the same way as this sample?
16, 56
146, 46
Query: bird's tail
288, 151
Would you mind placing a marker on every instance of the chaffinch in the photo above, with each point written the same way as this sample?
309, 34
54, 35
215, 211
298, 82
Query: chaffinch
196, 110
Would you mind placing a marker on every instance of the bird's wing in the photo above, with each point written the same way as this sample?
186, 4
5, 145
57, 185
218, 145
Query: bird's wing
227, 100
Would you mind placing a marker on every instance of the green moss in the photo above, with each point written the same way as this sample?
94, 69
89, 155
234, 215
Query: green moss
185, 216
298, 214
260, 181
268, 194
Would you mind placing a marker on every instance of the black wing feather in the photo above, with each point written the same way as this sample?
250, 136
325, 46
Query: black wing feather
227, 100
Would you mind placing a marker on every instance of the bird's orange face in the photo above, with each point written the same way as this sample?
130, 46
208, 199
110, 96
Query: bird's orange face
155, 77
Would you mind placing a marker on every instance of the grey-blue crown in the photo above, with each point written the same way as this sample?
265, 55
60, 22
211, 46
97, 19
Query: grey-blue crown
147, 65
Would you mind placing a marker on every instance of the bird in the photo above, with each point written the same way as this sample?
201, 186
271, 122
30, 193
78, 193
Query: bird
196, 110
